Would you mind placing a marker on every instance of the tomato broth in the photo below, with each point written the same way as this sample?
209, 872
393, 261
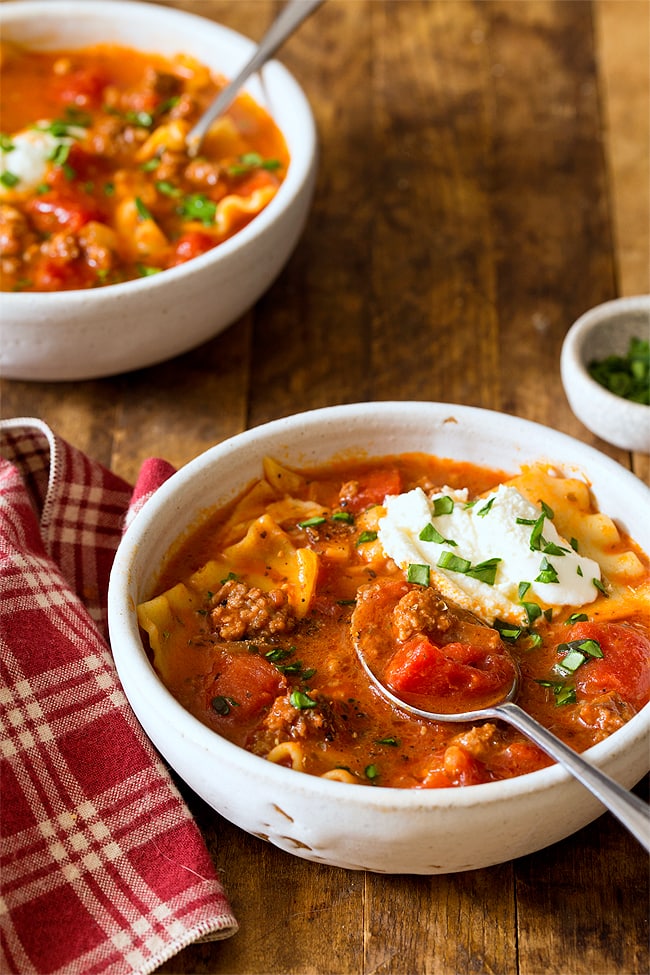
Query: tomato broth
96, 185
253, 630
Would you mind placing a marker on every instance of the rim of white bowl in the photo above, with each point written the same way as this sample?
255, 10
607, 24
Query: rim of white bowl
124, 629
301, 162
572, 359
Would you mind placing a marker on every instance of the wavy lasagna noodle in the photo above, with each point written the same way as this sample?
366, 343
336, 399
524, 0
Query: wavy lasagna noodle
251, 629
96, 186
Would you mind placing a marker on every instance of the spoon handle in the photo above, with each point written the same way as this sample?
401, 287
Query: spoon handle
628, 808
289, 19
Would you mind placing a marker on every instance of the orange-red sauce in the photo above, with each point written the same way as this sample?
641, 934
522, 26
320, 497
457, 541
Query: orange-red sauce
120, 198
308, 688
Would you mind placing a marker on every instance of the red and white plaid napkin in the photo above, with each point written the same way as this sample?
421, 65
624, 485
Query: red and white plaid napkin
102, 868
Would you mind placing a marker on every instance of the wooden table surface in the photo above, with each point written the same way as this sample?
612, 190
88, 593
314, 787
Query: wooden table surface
483, 181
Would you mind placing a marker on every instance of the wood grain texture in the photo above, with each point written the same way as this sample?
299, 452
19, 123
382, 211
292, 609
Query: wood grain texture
477, 162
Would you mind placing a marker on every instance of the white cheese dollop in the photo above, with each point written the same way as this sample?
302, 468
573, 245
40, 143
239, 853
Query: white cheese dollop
25, 158
488, 529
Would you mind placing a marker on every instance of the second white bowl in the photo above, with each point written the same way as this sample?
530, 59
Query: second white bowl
85, 334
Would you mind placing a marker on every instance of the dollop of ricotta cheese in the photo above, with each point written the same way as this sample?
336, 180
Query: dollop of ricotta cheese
532, 562
25, 157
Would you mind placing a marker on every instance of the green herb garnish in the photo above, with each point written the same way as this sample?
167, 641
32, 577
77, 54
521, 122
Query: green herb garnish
627, 376
443, 505
302, 700
431, 534
418, 574
223, 705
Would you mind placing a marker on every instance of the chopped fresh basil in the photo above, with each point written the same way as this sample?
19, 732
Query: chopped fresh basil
418, 574
223, 705
552, 549
577, 618
443, 505
431, 534
537, 541
507, 631
9, 179
166, 188
143, 212
311, 522
484, 571
627, 376
571, 662
576, 653
278, 653
453, 562
533, 611
197, 206
302, 700
563, 693
144, 120
548, 573
59, 154
588, 647
482, 512
390, 740
371, 772
345, 516
250, 161
366, 537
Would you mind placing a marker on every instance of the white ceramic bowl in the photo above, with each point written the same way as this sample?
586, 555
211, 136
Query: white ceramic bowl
86, 334
385, 830
602, 331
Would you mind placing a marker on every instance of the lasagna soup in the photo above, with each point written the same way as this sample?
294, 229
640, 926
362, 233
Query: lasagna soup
439, 567
96, 185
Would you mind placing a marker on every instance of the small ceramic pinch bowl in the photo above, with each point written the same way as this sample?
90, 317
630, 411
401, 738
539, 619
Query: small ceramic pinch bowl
346, 825
84, 334
603, 331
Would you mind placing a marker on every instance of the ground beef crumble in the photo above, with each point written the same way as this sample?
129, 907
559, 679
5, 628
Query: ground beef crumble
238, 612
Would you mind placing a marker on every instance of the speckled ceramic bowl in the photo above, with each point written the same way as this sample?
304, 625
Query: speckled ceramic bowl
606, 330
85, 334
385, 830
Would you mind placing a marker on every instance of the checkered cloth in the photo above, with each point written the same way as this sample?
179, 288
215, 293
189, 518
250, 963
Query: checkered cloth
102, 868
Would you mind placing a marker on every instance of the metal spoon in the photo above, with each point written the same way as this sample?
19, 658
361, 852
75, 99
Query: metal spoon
628, 808
289, 19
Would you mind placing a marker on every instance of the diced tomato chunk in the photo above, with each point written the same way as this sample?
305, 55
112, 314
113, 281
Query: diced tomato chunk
465, 676
418, 667
81, 163
256, 181
190, 245
518, 758
246, 682
82, 87
624, 666
52, 275
59, 210
372, 488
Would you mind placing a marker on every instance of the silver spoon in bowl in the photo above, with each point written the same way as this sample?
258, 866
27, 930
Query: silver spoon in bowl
632, 812
289, 19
